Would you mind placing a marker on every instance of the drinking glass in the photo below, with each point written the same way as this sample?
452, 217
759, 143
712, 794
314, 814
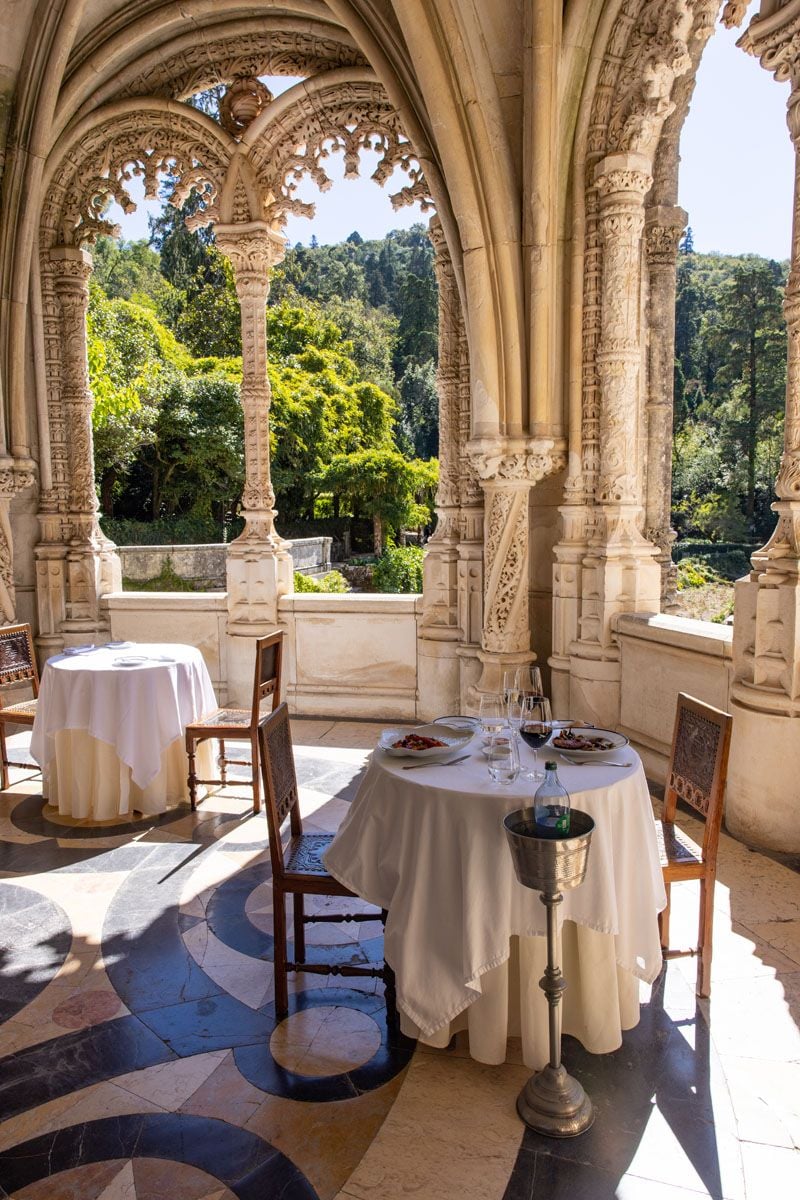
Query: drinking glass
492, 713
536, 725
529, 681
502, 758
510, 686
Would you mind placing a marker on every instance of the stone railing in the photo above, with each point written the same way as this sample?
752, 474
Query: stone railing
660, 657
344, 656
204, 565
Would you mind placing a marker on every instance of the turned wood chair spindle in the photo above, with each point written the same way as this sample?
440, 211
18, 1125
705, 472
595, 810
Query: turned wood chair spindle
697, 774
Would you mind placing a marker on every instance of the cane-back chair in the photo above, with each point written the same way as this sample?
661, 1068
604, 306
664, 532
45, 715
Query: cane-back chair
240, 724
697, 773
17, 666
297, 868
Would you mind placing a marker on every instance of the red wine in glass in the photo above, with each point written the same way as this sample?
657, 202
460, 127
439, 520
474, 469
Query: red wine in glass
535, 733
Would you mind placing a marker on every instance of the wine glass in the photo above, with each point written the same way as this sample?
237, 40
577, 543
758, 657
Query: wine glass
502, 757
529, 681
536, 725
510, 685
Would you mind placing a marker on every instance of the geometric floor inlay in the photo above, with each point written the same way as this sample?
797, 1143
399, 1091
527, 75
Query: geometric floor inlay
141, 1057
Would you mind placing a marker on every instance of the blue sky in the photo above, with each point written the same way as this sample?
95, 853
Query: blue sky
736, 179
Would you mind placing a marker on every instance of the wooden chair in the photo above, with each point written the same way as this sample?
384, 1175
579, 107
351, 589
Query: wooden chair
17, 665
697, 773
297, 869
240, 724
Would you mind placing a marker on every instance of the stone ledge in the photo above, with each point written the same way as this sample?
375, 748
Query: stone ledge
192, 601
699, 636
350, 602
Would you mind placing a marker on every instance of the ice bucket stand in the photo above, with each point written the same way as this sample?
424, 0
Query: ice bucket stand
552, 1102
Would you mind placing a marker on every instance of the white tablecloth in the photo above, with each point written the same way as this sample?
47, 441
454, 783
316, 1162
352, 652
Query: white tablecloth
109, 737
428, 845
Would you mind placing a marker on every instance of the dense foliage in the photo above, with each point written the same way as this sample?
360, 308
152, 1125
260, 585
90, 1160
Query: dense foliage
730, 374
352, 348
399, 569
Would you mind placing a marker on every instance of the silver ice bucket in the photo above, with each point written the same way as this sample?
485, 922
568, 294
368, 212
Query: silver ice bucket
549, 864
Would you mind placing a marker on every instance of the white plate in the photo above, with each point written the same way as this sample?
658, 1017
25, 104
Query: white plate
132, 660
467, 724
618, 739
117, 645
454, 739
78, 649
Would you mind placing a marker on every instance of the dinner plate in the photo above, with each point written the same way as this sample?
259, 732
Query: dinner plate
131, 660
78, 649
118, 645
467, 724
618, 739
454, 740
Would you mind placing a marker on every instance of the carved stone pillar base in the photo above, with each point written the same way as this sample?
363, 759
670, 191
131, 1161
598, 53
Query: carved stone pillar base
91, 569
567, 574
619, 574
439, 632
765, 751
257, 573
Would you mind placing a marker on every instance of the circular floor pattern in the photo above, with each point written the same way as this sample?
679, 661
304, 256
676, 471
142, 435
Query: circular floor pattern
34, 815
236, 1161
326, 1040
260, 1066
35, 937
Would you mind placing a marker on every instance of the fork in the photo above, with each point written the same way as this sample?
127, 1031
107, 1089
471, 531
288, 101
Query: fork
451, 763
602, 763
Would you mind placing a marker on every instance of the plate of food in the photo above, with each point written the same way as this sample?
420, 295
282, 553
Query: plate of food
588, 743
426, 741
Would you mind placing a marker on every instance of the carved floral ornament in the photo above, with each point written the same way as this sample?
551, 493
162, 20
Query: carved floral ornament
527, 465
176, 147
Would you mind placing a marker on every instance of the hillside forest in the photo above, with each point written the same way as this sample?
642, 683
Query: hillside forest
352, 337
352, 344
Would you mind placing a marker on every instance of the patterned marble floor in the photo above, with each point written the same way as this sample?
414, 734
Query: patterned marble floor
141, 1058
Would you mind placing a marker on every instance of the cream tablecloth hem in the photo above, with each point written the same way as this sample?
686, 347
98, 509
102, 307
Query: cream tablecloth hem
85, 778
600, 1002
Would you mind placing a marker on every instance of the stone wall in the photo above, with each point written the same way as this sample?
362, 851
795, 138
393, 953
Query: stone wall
204, 566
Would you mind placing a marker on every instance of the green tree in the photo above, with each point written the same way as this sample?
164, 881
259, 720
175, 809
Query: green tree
384, 485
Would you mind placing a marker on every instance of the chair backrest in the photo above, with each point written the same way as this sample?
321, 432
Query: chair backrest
698, 765
267, 681
280, 782
17, 659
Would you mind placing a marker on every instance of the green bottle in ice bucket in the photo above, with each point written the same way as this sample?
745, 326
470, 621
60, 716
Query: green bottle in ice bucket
551, 805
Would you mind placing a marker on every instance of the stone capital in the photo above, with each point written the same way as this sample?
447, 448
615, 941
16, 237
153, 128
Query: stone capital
253, 248
73, 270
510, 462
623, 177
663, 228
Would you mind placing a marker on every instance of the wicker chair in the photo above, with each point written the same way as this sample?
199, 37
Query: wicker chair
17, 665
697, 773
297, 869
240, 724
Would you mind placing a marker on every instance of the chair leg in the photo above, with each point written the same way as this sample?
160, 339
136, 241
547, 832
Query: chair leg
254, 766
663, 919
299, 928
279, 955
389, 982
705, 938
223, 770
192, 775
4, 760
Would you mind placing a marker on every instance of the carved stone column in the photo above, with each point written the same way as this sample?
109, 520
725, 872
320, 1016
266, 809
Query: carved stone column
438, 664
507, 469
619, 573
14, 476
92, 566
470, 529
664, 227
259, 566
763, 805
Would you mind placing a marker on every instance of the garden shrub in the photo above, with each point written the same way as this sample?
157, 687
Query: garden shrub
334, 581
399, 569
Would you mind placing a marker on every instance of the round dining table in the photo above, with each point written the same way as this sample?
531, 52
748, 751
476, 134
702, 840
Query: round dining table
109, 727
466, 939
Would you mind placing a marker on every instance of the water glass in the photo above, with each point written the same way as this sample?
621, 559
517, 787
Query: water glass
492, 713
502, 758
